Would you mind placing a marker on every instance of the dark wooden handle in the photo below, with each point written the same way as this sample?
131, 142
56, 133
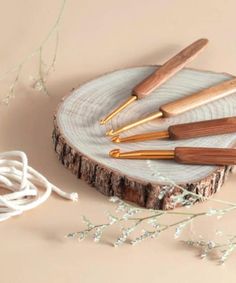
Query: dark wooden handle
170, 68
204, 155
203, 128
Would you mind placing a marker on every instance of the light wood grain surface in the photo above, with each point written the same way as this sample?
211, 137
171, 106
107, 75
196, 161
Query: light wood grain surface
200, 98
77, 129
97, 37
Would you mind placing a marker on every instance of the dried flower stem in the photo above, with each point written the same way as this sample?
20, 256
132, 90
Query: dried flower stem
40, 83
155, 214
155, 218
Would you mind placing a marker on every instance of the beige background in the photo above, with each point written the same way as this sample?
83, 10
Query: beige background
98, 37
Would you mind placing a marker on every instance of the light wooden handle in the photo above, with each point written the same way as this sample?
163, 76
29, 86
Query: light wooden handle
205, 156
170, 68
200, 98
202, 128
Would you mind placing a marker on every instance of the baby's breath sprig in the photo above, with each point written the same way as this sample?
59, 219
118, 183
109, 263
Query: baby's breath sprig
130, 218
208, 248
152, 223
44, 69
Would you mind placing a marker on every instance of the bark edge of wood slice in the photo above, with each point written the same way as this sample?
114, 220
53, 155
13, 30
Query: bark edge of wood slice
77, 135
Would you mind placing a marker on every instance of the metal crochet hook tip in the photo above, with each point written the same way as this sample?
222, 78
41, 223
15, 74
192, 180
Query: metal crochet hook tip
151, 117
110, 133
102, 121
119, 109
142, 154
116, 139
115, 153
141, 137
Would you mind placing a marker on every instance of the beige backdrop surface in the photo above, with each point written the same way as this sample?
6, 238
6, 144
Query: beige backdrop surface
97, 37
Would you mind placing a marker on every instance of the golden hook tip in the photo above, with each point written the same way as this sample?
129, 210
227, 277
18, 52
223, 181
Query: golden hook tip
102, 122
109, 133
115, 153
119, 109
116, 139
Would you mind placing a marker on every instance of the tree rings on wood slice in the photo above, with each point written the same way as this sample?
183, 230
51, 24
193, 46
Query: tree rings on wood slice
82, 146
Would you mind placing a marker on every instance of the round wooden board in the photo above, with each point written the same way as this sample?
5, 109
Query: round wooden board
82, 146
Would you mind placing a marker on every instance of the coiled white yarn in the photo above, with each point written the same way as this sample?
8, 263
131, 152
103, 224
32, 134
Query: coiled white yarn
24, 182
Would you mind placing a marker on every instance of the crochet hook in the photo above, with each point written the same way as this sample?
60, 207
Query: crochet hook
184, 104
185, 155
186, 131
162, 74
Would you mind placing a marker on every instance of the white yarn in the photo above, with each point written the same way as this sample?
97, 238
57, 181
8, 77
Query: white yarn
24, 182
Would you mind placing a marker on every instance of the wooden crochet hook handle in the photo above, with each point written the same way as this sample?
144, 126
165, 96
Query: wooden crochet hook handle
170, 68
205, 156
200, 98
202, 128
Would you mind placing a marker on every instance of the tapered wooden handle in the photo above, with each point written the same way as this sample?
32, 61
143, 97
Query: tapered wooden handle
200, 98
204, 155
170, 68
202, 128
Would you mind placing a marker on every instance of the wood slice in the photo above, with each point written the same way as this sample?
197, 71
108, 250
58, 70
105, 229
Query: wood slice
82, 146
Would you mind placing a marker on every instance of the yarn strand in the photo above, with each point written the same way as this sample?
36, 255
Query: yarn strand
25, 185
